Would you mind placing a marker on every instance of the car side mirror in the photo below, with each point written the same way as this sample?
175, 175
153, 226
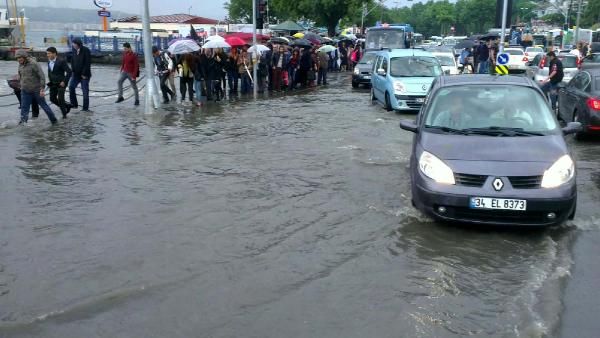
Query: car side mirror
381, 71
572, 128
409, 125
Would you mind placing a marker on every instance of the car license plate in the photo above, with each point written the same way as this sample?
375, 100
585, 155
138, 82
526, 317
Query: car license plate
498, 203
367, 77
419, 100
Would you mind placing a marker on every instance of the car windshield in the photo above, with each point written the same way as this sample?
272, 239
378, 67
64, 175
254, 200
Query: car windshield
385, 38
368, 58
514, 51
445, 60
495, 110
535, 50
415, 66
593, 58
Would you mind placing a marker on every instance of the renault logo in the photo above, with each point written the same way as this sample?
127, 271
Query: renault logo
498, 184
424, 87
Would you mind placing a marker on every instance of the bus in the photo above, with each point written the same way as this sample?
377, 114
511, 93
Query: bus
392, 36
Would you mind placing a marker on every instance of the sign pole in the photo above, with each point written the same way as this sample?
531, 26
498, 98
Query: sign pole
503, 32
104, 22
255, 54
576, 41
151, 98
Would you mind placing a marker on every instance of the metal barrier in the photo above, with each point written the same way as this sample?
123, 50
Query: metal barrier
107, 45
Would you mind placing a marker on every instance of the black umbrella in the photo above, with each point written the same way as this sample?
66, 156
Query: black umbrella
465, 44
489, 36
311, 35
193, 35
301, 43
280, 40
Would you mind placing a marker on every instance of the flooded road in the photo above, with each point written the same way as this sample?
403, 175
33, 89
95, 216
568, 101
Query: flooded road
287, 217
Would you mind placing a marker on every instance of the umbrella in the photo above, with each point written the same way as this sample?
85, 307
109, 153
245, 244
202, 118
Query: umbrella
350, 36
302, 43
465, 44
216, 43
184, 47
280, 40
298, 35
259, 48
326, 49
193, 34
287, 26
489, 36
215, 38
234, 41
311, 36
314, 41
326, 39
248, 36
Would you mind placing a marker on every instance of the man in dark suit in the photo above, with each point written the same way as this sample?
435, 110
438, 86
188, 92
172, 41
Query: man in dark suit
81, 63
59, 74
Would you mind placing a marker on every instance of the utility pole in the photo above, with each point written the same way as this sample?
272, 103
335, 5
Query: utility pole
255, 53
577, 24
151, 99
503, 32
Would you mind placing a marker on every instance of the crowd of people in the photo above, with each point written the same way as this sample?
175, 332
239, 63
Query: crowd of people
209, 73
203, 76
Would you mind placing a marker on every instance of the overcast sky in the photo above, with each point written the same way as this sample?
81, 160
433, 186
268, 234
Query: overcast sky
206, 8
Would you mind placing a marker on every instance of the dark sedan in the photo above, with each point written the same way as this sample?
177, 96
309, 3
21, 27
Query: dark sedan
579, 100
363, 70
488, 150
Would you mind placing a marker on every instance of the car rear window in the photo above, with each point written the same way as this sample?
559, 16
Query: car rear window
568, 61
445, 60
514, 52
535, 50
368, 58
484, 106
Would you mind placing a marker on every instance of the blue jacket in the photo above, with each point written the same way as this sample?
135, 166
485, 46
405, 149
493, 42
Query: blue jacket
286, 59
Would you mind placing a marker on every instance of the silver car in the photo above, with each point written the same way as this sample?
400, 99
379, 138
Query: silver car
538, 69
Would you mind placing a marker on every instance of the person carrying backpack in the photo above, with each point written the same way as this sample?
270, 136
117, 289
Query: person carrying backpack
163, 66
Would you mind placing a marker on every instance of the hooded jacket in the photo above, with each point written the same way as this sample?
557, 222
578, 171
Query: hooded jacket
32, 76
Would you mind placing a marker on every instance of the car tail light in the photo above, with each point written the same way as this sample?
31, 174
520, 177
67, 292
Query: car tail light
525, 59
543, 62
593, 103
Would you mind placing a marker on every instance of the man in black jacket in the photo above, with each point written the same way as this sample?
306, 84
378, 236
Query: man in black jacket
59, 74
81, 64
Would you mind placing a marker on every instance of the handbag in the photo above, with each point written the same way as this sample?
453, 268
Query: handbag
285, 78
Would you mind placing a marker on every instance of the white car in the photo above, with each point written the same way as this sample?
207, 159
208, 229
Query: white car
531, 52
517, 60
448, 62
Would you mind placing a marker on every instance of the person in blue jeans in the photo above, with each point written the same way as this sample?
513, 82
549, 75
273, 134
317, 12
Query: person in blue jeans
483, 55
81, 63
33, 83
550, 85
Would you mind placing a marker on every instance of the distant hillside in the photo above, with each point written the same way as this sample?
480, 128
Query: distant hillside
68, 15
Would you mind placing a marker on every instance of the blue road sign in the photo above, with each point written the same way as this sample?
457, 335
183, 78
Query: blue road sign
502, 58
104, 13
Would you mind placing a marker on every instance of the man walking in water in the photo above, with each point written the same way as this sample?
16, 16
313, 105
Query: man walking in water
33, 83
59, 74
81, 65
129, 70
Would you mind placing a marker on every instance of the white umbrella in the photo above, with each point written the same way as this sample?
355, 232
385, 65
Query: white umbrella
259, 48
184, 47
326, 49
215, 38
216, 43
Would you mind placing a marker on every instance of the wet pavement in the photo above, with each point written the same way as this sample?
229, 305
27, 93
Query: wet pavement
286, 217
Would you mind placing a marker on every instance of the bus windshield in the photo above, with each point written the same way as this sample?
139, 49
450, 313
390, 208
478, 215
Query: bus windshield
385, 38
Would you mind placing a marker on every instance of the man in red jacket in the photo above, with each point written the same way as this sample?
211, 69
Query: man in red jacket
129, 70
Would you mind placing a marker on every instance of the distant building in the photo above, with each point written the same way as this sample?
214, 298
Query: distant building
174, 24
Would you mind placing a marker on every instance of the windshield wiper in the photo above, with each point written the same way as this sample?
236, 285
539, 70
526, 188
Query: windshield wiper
502, 131
448, 130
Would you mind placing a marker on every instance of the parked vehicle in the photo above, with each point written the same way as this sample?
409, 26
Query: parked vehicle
401, 78
489, 150
448, 62
539, 67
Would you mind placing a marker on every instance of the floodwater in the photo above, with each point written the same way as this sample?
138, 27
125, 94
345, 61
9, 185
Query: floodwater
286, 217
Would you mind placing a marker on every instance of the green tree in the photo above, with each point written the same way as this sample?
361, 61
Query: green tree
591, 14
556, 19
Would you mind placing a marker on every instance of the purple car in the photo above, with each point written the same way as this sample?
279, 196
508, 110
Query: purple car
488, 150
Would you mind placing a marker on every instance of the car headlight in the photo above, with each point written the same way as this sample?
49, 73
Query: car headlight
561, 172
399, 88
435, 168
356, 71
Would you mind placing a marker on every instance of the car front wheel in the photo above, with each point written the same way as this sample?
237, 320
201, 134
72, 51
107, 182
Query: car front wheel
388, 103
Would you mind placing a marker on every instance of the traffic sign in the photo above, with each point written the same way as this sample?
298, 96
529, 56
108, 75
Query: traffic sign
502, 58
105, 14
103, 3
501, 70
